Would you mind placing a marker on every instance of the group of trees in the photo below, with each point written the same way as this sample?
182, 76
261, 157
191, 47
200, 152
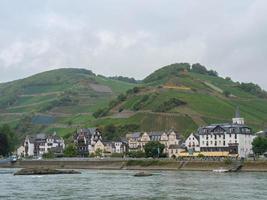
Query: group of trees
198, 68
112, 132
8, 140
124, 79
259, 145
253, 89
153, 149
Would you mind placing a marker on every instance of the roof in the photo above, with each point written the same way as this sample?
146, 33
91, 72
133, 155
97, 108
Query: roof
236, 128
40, 136
196, 136
134, 135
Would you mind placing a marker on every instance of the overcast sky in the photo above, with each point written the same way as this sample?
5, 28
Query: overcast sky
133, 37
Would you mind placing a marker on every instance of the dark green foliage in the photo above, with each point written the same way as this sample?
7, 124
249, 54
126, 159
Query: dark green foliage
253, 89
4, 144
48, 155
121, 97
8, 140
259, 145
70, 151
154, 149
139, 104
116, 155
135, 90
226, 93
136, 154
112, 132
124, 79
168, 105
101, 112
167, 72
198, 68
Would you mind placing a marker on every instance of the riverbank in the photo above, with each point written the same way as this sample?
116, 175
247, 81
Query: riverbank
248, 166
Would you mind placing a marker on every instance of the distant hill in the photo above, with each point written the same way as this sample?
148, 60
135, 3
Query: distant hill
57, 100
179, 96
184, 97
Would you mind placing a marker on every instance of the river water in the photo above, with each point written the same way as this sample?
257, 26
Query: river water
106, 184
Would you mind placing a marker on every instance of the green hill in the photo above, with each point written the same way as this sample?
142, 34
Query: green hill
184, 97
58, 100
179, 96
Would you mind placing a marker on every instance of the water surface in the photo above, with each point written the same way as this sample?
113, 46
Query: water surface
105, 184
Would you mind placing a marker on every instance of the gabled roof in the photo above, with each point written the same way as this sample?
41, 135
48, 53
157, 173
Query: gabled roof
236, 128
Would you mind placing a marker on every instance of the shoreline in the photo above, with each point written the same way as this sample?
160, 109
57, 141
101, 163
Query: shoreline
163, 165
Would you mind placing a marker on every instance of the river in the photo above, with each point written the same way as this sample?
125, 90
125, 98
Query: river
105, 184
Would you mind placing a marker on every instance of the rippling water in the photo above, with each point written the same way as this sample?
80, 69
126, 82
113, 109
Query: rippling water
103, 184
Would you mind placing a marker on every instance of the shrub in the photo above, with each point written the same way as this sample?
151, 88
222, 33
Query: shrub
48, 155
228, 161
116, 155
226, 93
259, 145
70, 151
136, 154
168, 105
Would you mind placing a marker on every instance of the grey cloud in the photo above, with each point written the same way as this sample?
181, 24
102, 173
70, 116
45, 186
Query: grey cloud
133, 38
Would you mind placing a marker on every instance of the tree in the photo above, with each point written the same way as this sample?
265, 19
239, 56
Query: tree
4, 144
8, 140
70, 151
154, 149
48, 155
98, 153
259, 145
226, 93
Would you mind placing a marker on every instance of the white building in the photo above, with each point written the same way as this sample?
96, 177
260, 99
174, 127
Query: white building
192, 143
235, 138
39, 144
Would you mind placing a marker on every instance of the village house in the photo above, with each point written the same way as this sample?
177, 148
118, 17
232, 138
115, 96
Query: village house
115, 147
229, 139
137, 141
88, 141
40, 144
192, 143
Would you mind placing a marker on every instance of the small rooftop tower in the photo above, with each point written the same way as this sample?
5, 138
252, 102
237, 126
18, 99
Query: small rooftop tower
237, 119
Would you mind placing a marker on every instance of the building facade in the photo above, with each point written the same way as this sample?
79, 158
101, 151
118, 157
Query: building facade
233, 138
41, 143
138, 140
87, 140
192, 143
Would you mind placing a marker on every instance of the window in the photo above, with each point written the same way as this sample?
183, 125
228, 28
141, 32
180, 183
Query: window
235, 136
223, 143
